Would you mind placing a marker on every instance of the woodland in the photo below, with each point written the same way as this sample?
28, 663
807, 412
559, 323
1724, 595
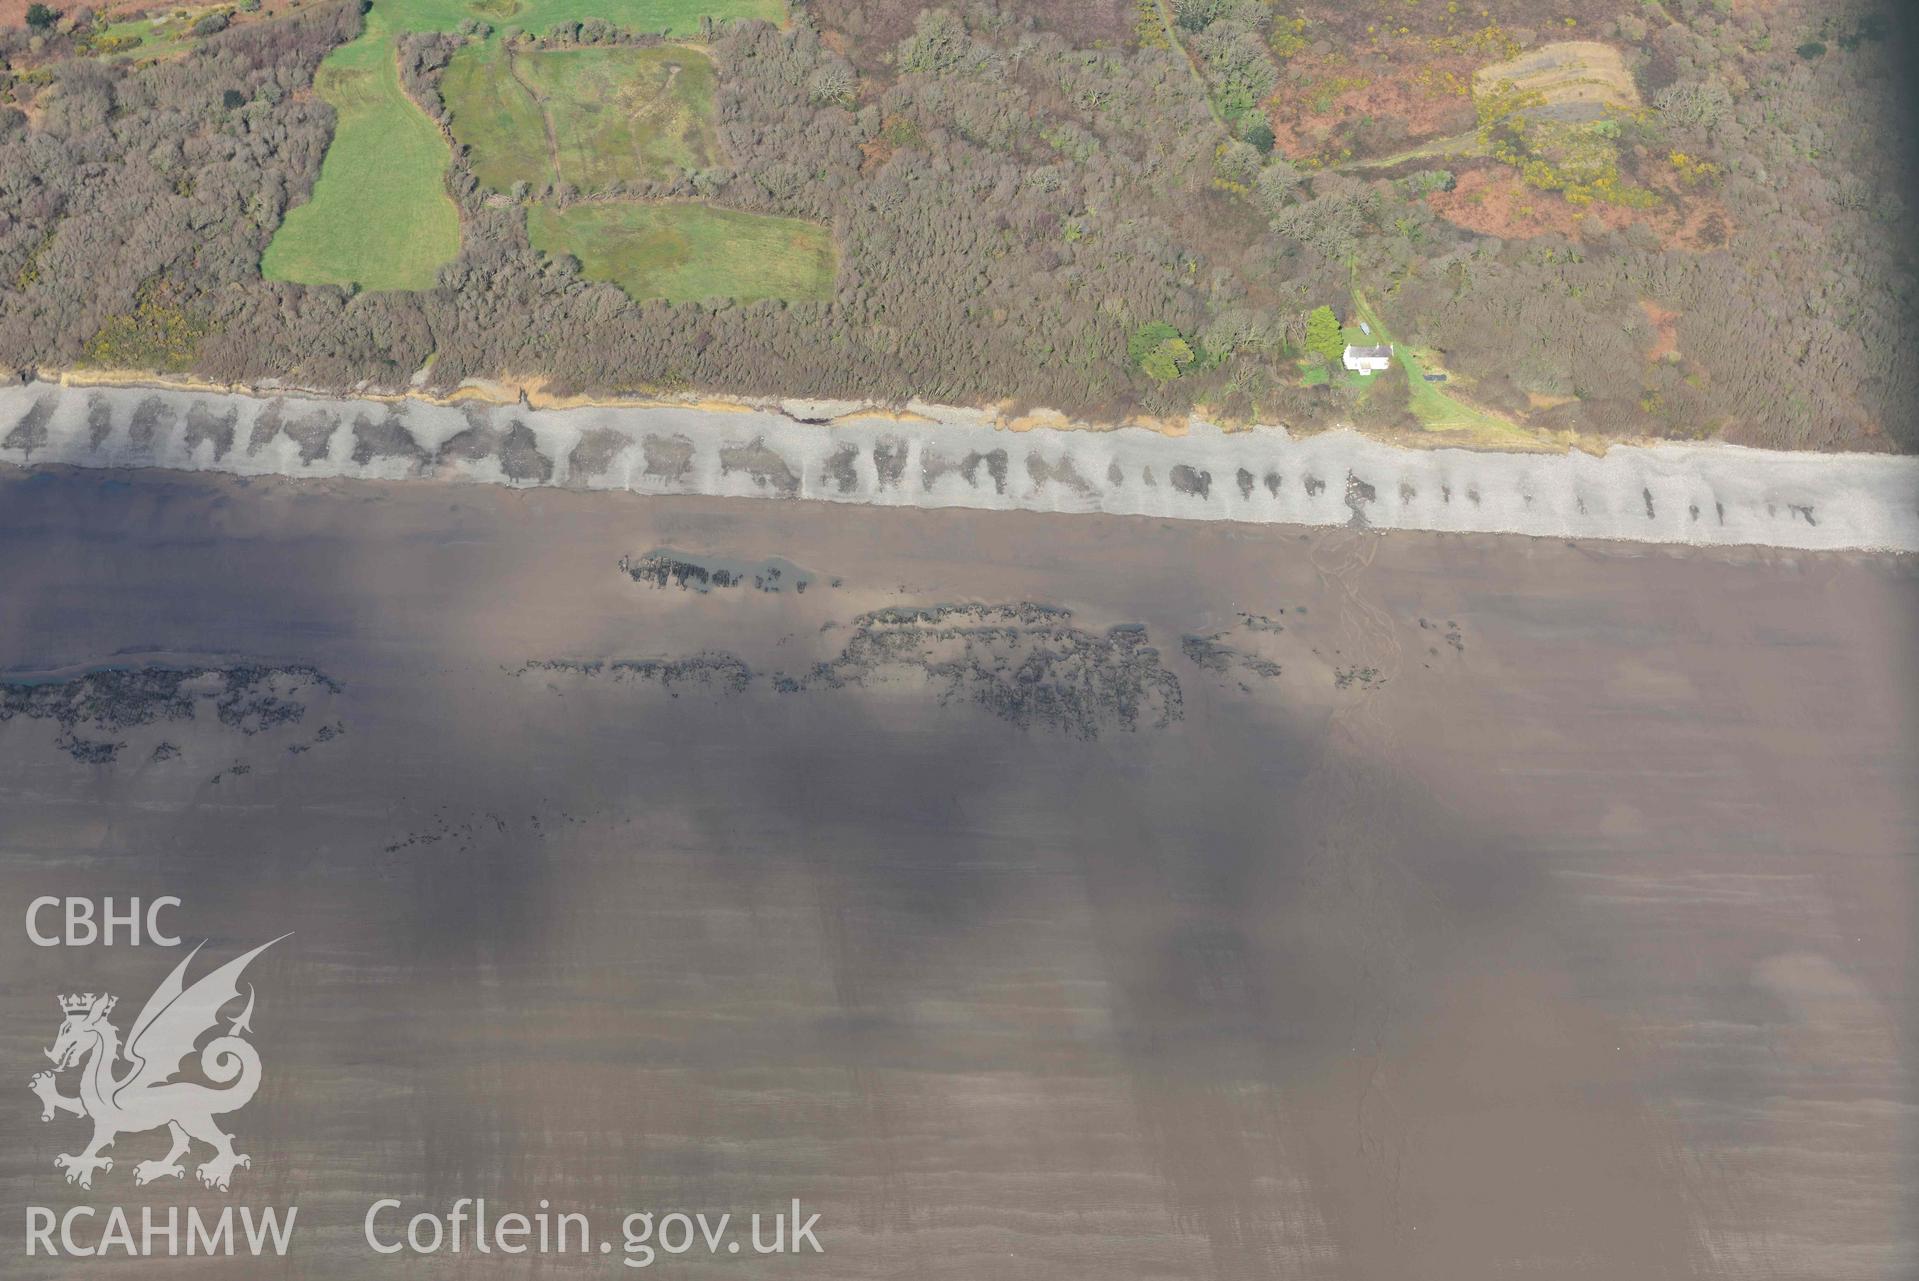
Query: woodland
1695, 224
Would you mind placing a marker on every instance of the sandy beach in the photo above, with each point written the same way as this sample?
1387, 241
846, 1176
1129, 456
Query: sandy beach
1031, 895
1702, 495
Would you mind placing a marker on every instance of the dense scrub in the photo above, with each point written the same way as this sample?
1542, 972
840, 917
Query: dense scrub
1080, 205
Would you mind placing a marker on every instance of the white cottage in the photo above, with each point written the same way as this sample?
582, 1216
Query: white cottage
1368, 360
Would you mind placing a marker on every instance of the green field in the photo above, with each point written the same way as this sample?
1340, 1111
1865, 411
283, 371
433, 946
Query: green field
380, 215
166, 34
1436, 410
688, 252
669, 17
591, 117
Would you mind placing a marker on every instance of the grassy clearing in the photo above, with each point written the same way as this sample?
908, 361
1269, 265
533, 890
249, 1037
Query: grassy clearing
590, 117
620, 110
1458, 146
167, 34
686, 252
380, 215
1436, 410
495, 115
1575, 80
667, 17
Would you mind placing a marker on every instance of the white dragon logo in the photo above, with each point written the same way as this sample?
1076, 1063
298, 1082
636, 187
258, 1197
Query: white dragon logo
146, 1096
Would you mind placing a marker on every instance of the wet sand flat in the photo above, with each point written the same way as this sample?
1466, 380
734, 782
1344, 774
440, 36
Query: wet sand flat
1032, 896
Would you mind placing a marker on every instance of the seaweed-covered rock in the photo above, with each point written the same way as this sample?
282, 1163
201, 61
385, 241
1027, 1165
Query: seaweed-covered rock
1025, 663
